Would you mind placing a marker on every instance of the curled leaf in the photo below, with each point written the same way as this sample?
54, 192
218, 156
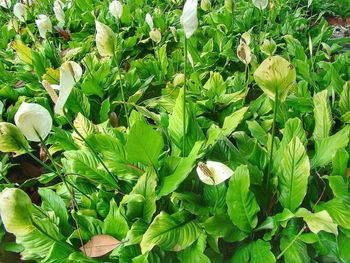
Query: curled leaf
100, 245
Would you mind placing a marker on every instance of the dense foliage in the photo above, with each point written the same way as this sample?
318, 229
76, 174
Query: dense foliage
166, 132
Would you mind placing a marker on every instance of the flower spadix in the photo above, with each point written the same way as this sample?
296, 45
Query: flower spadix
189, 19
34, 121
44, 25
105, 40
261, 4
116, 9
70, 73
275, 76
213, 173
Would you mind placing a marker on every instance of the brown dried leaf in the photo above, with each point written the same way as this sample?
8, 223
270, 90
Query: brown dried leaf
100, 245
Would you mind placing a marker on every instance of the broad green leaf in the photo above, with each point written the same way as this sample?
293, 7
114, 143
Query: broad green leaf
296, 250
320, 221
85, 163
343, 247
144, 144
257, 132
136, 232
85, 127
344, 101
193, 131
293, 175
254, 252
322, 114
170, 232
340, 163
53, 202
12, 139
115, 223
339, 187
242, 206
338, 210
171, 183
215, 85
195, 252
232, 121
326, 148
146, 189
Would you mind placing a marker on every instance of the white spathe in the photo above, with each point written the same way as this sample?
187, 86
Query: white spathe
261, 4
20, 11
44, 25
149, 21
189, 19
116, 9
70, 73
213, 173
5, 3
34, 121
58, 10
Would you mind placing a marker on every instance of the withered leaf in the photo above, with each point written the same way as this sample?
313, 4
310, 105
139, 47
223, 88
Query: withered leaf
100, 245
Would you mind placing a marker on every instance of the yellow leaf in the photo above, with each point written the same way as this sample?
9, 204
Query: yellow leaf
52, 76
23, 52
100, 245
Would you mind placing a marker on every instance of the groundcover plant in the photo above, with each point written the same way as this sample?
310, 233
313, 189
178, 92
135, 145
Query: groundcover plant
174, 131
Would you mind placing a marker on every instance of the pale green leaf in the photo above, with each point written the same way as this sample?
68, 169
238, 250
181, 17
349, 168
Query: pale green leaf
170, 232
232, 121
115, 223
322, 114
293, 175
241, 203
338, 210
195, 252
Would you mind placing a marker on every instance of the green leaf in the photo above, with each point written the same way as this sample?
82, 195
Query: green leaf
293, 175
104, 110
232, 121
343, 247
53, 202
215, 85
85, 127
344, 101
339, 187
170, 232
193, 131
340, 163
320, 221
195, 252
322, 114
171, 183
338, 210
85, 163
257, 131
326, 148
296, 251
145, 188
242, 206
136, 232
254, 252
115, 223
144, 144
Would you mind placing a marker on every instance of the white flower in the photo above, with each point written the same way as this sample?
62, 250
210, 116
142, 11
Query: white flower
189, 18
261, 4
34, 121
149, 21
58, 10
116, 9
213, 173
155, 35
44, 25
105, 39
70, 73
20, 11
5, 3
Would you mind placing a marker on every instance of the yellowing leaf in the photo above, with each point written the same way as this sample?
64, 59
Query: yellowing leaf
100, 245
52, 76
23, 52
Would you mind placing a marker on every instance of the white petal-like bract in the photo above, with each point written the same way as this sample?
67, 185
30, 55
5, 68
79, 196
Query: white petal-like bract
20, 11
149, 21
44, 25
70, 73
116, 9
213, 173
189, 19
58, 10
5, 3
34, 121
261, 4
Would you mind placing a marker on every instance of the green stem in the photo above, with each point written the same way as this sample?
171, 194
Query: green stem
272, 139
184, 99
291, 243
89, 146
123, 97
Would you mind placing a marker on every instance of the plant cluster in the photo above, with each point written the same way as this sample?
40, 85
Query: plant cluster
174, 131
